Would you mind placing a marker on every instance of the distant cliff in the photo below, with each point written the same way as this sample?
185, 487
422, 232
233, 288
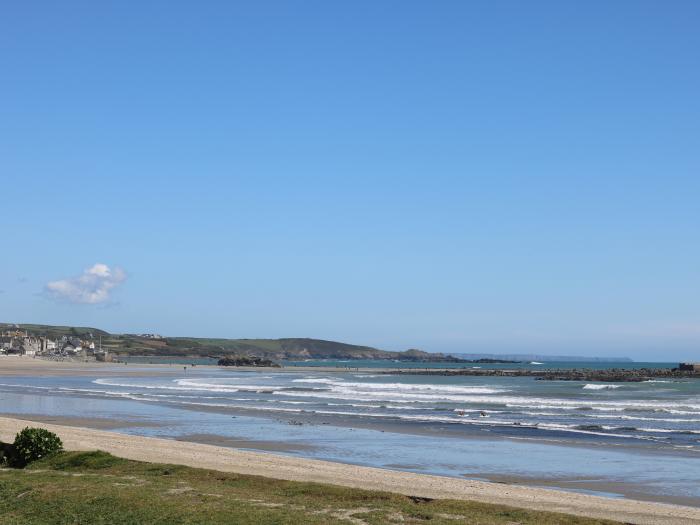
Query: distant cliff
545, 358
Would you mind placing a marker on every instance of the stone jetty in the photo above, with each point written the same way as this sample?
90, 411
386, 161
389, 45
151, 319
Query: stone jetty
613, 375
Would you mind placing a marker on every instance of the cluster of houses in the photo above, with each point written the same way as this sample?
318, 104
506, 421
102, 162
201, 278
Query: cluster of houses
17, 342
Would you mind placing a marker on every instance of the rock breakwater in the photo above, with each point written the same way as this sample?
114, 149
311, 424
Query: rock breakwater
613, 375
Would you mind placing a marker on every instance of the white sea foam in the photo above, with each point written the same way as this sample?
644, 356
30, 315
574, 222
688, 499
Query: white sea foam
667, 430
321, 380
482, 401
436, 419
476, 411
188, 385
566, 412
27, 386
218, 387
385, 397
602, 404
639, 418
380, 394
403, 387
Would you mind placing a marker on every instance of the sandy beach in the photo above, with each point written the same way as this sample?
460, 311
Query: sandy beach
297, 469
27, 366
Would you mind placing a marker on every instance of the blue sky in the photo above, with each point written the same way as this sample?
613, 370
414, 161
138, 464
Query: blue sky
453, 176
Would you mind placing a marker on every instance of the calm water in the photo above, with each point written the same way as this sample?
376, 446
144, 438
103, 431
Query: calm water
646, 434
530, 365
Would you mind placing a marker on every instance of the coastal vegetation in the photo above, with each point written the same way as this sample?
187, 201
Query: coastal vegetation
31, 444
96, 487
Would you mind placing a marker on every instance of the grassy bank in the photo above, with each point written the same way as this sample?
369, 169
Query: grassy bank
95, 487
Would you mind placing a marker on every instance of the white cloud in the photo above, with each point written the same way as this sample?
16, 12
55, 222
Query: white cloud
93, 286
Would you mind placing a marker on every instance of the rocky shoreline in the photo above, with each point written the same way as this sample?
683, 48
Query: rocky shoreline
613, 375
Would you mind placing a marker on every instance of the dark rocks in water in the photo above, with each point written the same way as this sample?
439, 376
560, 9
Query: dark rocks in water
590, 428
490, 360
613, 375
243, 360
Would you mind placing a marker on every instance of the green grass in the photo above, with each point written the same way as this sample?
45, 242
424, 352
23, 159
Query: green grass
97, 488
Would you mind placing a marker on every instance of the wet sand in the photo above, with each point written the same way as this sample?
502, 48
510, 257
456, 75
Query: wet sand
297, 469
461, 430
29, 366
265, 445
599, 487
98, 423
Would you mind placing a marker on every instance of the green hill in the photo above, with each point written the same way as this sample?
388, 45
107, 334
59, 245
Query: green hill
276, 349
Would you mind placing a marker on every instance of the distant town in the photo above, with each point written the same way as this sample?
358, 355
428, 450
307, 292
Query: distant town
20, 342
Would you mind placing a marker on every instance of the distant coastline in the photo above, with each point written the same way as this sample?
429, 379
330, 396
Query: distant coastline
545, 358
145, 345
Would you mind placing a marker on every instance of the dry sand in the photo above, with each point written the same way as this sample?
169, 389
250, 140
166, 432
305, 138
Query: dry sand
29, 366
297, 469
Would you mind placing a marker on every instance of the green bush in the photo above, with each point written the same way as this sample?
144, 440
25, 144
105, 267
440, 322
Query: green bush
34, 443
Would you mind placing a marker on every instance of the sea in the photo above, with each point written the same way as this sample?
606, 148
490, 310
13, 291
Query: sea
637, 440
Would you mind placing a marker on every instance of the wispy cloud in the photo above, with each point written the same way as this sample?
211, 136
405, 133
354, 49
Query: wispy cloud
93, 286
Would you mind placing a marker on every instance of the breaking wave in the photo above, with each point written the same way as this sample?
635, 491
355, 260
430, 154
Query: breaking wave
600, 387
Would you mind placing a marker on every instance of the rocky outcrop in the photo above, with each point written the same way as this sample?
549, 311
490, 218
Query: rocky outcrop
242, 360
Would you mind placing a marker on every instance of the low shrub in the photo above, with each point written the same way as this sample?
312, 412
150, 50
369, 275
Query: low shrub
95, 460
32, 444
